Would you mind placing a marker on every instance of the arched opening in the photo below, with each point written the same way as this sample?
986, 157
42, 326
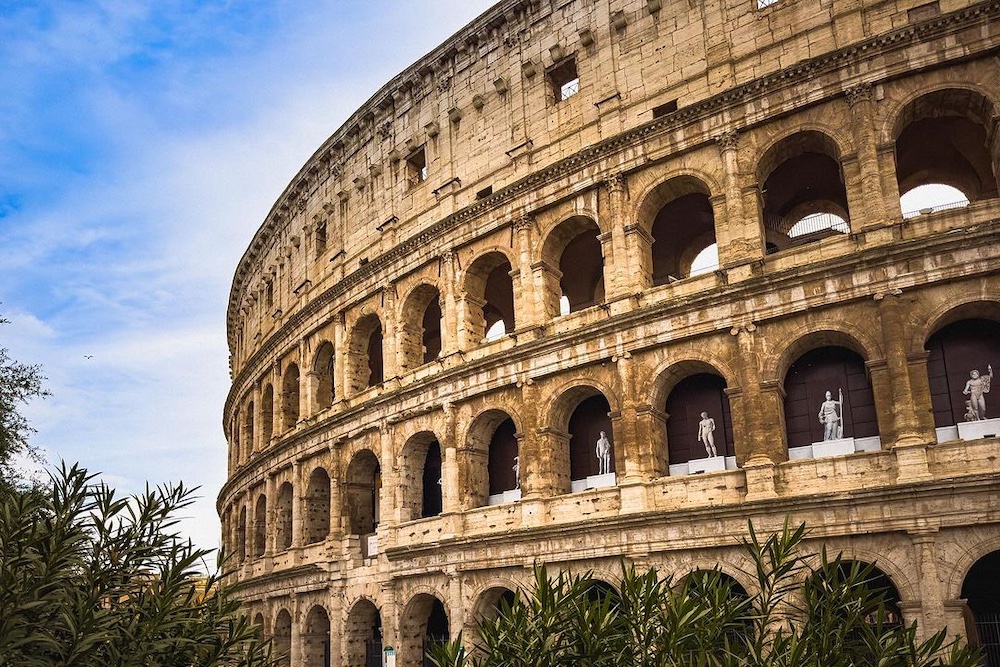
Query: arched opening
492, 601
363, 635
959, 372
258, 620
803, 195
942, 138
241, 535
699, 426
432, 481
282, 637
361, 498
365, 354
283, 517
504, 464
981, 591
248, 430
317, 520
260, 526
490, 466
601, 591
727, 600
574, 246
267, 415
829, 405
420, 333
424, 625
591, 444
490, 295
431, 340
290, 397
323, 368
316, 639
683, 231
854, 593
703, 580
421, 483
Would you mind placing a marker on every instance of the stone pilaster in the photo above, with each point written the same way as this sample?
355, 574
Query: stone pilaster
449, 305
651, 443
614, 244
894, 337
450, 478
861, 100
340, 345
527, 299
737, 236
929, 580
298, 504
391, 366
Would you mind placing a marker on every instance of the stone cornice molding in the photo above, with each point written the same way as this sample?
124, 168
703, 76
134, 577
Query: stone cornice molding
736, 96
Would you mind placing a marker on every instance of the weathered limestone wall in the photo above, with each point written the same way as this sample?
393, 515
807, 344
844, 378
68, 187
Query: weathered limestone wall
763, 117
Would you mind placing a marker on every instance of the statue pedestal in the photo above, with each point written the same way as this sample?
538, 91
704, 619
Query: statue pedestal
592, 482
984, 428
838, 447
710, 464
511, 496
946, 433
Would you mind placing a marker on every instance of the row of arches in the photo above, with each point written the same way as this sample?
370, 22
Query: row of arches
425, 620
941, 138
566, 455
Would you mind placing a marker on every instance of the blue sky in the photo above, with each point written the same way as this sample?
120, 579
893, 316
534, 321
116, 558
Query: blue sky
142, 142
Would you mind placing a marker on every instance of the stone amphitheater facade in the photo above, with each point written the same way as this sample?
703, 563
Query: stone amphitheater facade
587, 216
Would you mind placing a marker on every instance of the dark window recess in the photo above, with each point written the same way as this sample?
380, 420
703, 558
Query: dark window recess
320, 239
564, 80
664, 109
269, 295
485, 192
431, 505
416, 167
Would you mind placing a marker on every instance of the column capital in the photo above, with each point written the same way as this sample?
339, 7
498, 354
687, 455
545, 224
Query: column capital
728, 140
523, 223
615, 183
860, 93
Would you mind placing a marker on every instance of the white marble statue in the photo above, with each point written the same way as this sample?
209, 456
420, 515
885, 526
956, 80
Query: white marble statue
976, 389
706, 434
831, 416
603, 454
517, 472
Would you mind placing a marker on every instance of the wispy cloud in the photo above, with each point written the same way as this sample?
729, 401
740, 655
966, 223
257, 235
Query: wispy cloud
141, 145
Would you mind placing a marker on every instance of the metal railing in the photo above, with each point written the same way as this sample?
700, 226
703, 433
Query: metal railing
961, 203
988, 629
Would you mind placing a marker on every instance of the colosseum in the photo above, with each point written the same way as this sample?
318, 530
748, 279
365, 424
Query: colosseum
604, 280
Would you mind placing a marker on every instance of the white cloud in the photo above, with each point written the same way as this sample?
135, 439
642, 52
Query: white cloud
125, 253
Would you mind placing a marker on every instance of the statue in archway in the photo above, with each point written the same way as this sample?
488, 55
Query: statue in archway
706, 434
517, 472
976, 389
831, 416
603, 454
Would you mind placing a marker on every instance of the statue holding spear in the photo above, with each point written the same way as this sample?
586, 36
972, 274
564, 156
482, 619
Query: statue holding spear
831, 416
